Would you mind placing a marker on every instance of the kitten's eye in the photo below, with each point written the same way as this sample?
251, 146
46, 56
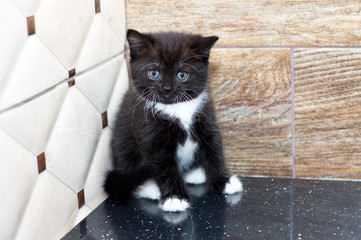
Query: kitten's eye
182, 76
152, 74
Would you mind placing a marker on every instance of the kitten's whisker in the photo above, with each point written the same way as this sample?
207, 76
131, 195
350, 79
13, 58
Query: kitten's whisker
187, 97
145, 111
140, 98
178, 97
153, 100
181, 97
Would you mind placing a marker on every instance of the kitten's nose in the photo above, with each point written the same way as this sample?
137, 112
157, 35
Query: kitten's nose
167, 89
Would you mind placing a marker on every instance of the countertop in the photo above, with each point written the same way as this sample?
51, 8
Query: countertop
268, 208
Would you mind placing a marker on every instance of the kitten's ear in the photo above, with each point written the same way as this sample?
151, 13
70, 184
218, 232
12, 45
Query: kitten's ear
138, 42
203, 45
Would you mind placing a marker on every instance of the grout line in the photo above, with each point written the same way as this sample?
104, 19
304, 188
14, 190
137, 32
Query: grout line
293, 115
303, 178
292, 209
80, 50
287, 47
62, 82
250, 47
126, 19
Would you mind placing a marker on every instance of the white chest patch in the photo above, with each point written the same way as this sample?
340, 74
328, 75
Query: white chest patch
184, 111
185, 153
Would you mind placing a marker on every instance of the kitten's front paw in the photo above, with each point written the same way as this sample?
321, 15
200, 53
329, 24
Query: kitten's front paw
234, 199
174, 204
233, 185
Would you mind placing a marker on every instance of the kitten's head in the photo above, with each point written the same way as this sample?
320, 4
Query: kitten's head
169, 67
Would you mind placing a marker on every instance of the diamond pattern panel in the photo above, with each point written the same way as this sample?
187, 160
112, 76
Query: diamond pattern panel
120, 88
14, 25
35, 118
102, 78
73, 140
83, 212
27, 7
51, 211
101, 44
38, 63
94, 193
63, 26
60, 62
18, 167
114, 12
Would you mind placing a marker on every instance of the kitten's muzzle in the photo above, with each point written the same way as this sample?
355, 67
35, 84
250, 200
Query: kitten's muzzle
166, 90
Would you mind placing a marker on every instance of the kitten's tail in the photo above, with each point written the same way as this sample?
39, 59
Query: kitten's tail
121, 186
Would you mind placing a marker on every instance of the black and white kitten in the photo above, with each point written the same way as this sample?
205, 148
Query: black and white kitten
166, 133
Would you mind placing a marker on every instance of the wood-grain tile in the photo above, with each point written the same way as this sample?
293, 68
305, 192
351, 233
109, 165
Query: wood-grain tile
328, 113
254, 23
251, 89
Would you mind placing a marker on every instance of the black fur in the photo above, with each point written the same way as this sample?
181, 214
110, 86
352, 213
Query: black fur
145, 142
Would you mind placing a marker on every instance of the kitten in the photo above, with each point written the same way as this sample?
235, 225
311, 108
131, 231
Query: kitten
166, 133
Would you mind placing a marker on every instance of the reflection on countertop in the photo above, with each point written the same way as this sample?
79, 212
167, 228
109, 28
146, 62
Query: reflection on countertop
268, 208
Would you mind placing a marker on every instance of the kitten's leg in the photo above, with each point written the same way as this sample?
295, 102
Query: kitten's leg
218, 177
234, 185
149, 189
217, 173
195, 176
174, 195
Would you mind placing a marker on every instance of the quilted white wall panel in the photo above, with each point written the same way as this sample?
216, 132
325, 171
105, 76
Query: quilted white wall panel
12, 23
94, 193
63, 25
36, 62
18, 174
27, 7
50, 198
83, 212
62, 76
119, 90
73, 140
101, 44
35, 118
114, 12
103, 78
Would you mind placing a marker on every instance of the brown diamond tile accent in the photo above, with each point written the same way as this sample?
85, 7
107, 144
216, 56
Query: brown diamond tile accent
71, 83
105, 119
31, 25
97, 6
41, 163
72, 72
81, 198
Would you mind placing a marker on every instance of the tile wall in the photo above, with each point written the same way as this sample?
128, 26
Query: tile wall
286, 78
62, 76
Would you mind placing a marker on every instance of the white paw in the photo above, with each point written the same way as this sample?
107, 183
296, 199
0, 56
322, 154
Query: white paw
174, 204
195, 176
175, 218
149, 189
234, 199
233, 185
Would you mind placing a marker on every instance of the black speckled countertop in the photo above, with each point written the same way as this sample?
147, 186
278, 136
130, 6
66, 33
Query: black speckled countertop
267, 209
